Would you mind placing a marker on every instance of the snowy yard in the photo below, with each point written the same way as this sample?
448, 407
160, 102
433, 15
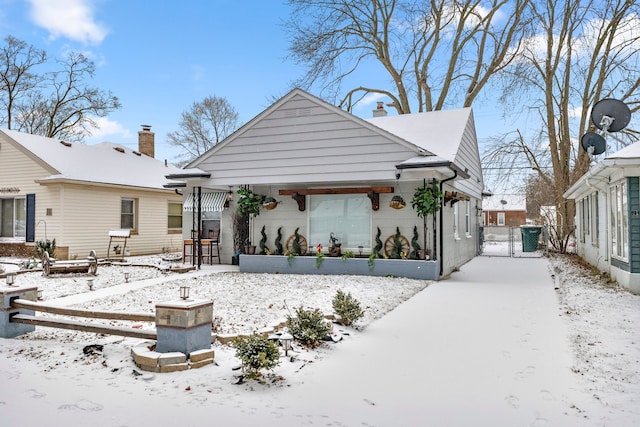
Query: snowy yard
46, 370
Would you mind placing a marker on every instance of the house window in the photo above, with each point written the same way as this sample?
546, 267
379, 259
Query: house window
128, 217
455, 221
347, 216
619, 220
13, 217
500, 218
595, 219
174, 217
467, 218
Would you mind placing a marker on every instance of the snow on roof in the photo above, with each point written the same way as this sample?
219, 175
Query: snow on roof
438, 132
105, 163
514, 202
629, 152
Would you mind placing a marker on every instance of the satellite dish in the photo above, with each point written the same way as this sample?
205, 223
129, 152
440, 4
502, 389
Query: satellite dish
504, 202
612, 112
593, 143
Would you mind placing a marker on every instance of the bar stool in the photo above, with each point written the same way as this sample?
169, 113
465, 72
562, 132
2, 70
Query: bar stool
214, 240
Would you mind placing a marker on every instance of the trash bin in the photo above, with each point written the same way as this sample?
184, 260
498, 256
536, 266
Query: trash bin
530, 236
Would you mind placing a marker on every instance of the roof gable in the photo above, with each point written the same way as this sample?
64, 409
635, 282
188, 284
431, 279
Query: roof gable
105, 163
301, 139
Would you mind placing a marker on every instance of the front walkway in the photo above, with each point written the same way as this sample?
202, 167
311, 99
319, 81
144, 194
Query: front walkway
486, 347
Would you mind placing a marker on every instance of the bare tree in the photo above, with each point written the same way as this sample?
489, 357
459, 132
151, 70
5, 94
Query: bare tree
576, 53
17, 79
436, 53
205, 124
56, 104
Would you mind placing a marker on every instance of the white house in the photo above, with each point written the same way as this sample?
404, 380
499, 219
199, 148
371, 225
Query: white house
608, 216
76, 193
334, 175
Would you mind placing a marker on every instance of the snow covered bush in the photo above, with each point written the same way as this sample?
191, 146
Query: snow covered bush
256, 352
309, 327
347, 307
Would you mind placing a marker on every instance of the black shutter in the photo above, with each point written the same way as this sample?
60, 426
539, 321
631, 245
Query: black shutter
31, 218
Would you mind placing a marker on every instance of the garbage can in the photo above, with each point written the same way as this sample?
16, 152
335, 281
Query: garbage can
530, 236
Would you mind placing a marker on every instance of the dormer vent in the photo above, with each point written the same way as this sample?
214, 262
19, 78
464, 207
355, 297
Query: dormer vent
137, 153
119, 149
65, 143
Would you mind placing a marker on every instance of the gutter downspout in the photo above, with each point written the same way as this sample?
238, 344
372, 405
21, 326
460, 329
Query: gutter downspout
455, 175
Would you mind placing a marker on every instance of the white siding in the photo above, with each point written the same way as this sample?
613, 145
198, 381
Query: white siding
303, 142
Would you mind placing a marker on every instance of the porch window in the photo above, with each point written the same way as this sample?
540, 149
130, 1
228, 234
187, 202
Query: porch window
13, 217
174, 218
128, 217
347, 216
619, 221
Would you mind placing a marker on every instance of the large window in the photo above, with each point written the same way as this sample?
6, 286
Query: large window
13, 217
347, 216
174, 219
500, 218
619, 221
128, 217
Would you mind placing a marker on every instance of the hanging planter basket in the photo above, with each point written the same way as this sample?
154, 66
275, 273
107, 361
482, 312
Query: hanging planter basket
270, 203
397, 202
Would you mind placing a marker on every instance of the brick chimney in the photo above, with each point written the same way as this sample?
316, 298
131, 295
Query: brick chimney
146, 141
380, 111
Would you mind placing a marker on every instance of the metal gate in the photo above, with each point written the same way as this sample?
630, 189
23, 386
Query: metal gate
508, 242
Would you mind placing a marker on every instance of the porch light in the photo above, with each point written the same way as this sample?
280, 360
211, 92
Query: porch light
286, 340
184, 292
10, 279
39, 294
126, 277
90, 284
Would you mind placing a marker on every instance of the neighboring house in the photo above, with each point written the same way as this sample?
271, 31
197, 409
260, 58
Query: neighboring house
508, 210
608, 216
335, 173
76, 193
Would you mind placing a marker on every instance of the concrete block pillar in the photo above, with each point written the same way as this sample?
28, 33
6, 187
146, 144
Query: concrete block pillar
184, 326
7, 294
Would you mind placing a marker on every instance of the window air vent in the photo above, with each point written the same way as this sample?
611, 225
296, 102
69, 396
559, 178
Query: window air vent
65, 143
119, 149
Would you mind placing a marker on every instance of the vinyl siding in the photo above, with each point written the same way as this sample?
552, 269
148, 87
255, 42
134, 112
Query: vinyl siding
303, 142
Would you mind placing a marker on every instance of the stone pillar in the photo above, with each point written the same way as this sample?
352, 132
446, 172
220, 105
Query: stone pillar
8, 293
184, 326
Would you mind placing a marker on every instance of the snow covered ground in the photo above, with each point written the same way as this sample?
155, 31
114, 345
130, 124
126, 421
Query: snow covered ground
503, 342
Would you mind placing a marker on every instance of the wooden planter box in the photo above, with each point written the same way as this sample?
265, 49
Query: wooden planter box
412, 269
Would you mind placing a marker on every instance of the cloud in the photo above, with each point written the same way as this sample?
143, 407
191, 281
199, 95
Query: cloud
108, 128
72, 19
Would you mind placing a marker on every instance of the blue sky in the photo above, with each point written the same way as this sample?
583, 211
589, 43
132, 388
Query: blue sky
160, 57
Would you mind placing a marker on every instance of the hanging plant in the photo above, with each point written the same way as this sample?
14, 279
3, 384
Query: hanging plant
427, 199
249, 202
269, 203
397, 202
